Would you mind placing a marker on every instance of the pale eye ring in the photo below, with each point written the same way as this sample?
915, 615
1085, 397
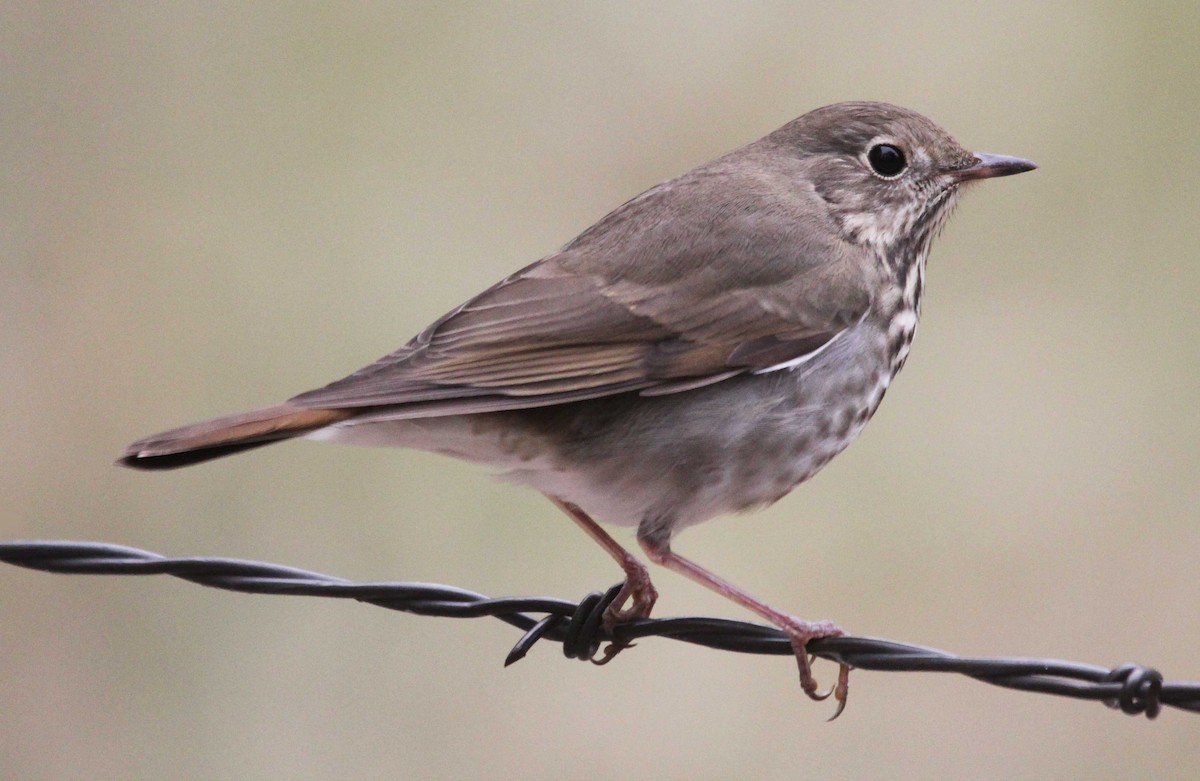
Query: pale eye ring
887, 160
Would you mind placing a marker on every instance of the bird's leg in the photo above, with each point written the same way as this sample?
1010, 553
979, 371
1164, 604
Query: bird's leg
637, 586
799, 631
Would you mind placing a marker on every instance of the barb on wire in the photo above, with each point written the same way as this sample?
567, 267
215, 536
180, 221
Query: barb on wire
1131, 688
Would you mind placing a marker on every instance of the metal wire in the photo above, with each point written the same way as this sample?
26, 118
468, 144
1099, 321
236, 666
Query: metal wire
1131, 688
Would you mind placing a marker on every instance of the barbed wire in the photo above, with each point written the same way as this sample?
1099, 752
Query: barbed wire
1131, 688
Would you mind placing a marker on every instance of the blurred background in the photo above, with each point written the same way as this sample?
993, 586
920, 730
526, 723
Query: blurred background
208, 207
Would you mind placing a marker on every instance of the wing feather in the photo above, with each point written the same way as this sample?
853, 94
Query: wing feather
632, 305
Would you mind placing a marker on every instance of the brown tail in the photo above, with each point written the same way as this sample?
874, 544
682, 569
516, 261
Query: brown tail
226, 435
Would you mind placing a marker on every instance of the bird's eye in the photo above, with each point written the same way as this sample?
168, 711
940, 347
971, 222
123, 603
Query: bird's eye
887, 160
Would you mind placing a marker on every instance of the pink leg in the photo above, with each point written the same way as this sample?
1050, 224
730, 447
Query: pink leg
799, 630
637, 584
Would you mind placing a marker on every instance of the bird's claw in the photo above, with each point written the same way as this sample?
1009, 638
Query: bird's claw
801, 633
840, 690
641, 594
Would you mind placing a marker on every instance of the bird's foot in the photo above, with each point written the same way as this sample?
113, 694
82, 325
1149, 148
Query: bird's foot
639, 592
801, 633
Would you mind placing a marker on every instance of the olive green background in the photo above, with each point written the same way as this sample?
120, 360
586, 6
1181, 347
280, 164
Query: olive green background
214, 206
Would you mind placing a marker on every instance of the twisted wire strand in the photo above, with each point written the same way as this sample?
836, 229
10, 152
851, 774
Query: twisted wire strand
1131, 688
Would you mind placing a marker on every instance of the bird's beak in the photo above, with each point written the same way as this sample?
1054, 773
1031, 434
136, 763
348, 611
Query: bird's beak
987, 166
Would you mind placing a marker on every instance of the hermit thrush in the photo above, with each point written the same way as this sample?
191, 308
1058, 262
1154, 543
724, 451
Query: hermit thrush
703, 349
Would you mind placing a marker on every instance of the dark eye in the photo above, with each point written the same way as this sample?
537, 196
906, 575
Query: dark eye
886, 160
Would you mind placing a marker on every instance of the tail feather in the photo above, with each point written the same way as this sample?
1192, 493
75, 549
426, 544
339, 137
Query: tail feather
223, 436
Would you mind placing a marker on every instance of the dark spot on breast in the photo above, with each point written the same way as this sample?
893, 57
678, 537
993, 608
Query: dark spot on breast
845, 422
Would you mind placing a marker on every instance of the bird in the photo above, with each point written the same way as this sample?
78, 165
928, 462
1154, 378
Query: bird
700, 351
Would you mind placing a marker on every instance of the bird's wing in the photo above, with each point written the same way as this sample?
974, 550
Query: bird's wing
619, 311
